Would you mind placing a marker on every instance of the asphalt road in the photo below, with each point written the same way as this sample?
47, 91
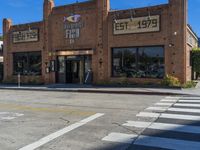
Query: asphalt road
67, 121
31, 120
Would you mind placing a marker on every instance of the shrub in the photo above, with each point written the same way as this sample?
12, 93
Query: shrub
195, 60
189, 84
171, 81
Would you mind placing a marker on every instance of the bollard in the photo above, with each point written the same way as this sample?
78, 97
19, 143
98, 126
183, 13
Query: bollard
19, 80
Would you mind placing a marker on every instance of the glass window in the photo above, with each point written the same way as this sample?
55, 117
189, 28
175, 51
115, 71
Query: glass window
61, 64
141, 62
27, 63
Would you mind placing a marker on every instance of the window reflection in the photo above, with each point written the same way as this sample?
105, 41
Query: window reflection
27, 63
141, 62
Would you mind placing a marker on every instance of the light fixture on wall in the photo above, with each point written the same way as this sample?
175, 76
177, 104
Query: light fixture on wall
149, 14
29, 28
115, 17
132, 12
171, 45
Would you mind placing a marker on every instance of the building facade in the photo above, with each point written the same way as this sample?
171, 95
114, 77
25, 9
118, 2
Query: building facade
90, 43
1, 61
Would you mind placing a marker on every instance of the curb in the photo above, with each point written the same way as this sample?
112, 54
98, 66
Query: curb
95, 91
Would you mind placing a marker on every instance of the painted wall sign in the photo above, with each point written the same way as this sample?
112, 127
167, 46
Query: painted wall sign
73, 19
137, 25
72, 26
26, 36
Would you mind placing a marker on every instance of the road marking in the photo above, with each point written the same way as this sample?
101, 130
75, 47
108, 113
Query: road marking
167, 143
169, 116
188, 105
169, 100
189, 101
164, 104
61, 132
157, 108
120, 138
164, 126
189, 110
9, 115
169, 97
152, 141
47, 109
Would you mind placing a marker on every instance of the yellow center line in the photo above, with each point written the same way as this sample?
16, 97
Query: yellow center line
49, 110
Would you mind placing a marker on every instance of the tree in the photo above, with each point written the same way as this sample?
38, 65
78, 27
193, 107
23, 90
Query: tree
1, 38
195, 59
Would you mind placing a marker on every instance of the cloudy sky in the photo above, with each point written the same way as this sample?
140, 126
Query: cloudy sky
22, 11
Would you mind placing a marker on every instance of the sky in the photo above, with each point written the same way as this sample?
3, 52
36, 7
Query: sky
24, 11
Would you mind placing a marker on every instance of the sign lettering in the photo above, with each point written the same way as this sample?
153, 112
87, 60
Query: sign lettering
137, 25
25, 36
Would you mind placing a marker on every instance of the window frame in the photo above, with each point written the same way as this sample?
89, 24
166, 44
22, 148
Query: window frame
28, 55
137, 52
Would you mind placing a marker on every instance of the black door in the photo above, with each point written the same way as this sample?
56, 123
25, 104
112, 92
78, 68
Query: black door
72, 71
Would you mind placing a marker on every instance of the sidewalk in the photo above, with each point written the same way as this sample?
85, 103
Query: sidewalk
100, 89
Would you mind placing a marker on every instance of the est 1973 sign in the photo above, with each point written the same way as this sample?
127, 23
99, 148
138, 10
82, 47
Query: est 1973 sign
137, 25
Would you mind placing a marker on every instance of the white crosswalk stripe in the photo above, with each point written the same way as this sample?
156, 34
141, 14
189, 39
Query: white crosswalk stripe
164, 126
189, 110
169, 100
168, 116
172, 110
187, 105
120, 138
189, 101
152, 141
164, 104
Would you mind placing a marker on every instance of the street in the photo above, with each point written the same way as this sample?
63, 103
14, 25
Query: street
79, 121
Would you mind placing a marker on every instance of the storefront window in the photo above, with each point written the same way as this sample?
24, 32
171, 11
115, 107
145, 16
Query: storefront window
27, 63
141, 62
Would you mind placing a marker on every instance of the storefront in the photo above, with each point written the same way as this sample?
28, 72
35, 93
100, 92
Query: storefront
74, 69
90, 43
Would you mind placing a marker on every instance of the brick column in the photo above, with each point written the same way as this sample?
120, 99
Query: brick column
103, 7
7, 23
47, 8
177, 38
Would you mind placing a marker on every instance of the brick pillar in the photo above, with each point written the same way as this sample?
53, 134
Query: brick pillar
47, 52
177, 38
103, 7
7, 23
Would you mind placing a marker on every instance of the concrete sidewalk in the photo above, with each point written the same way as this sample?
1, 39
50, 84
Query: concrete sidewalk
101, 89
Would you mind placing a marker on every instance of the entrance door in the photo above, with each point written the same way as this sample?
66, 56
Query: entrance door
72, 71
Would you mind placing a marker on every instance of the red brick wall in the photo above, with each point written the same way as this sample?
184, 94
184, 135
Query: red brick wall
97, 34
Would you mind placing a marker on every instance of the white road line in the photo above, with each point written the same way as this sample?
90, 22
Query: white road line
190, 101
120, 138
157, 108
169, 100
190, 98
169, 97
61, 132
151, 141
187, 105
169, 116
167, 143
189, 110
164, 126
164, 104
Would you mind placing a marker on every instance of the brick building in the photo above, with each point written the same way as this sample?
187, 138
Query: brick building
1, 61
77, 41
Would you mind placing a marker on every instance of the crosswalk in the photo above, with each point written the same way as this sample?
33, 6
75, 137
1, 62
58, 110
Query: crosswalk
176, 126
